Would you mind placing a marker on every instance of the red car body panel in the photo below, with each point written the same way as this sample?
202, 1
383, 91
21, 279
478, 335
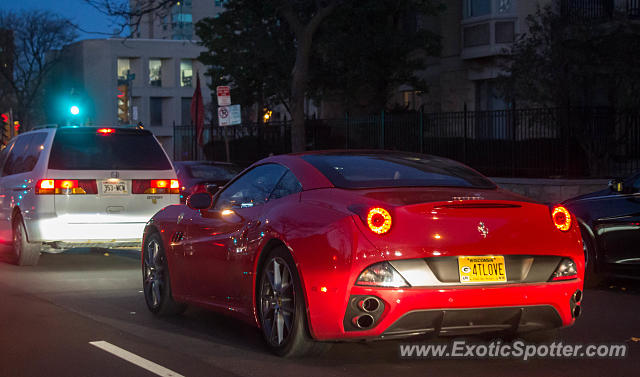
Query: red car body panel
215, 265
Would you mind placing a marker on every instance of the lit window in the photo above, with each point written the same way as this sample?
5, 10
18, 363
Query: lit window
155, 72
186, 72
124, 67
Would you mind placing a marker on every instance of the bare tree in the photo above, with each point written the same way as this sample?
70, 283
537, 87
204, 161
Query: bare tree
128, 14
39, 39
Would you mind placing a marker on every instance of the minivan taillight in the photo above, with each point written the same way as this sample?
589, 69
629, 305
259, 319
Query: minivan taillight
66, 187
155, 186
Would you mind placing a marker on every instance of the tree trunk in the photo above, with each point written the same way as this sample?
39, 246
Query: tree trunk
298, 93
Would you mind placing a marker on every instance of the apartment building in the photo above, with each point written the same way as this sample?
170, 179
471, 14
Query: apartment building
126, 81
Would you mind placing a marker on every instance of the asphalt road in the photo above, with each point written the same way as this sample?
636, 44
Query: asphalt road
50, 314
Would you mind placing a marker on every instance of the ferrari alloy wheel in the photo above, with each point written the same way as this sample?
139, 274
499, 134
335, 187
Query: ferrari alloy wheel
282, 308
278, 302
155, 279
25, 253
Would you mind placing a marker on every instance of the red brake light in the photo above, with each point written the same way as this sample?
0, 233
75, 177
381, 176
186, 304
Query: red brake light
66, 183
159, 183
155, 186
106, 131
45, 184
379, 220
561, 218
66, 187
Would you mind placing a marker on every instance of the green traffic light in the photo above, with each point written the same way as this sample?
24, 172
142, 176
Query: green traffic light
74, 110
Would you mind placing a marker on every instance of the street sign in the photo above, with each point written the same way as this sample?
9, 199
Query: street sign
223, 116
229, 115
224, 95
235, 114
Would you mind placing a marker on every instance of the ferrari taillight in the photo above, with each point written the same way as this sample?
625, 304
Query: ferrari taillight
566, 270
379, 220
561, 218
66, 187
155, 186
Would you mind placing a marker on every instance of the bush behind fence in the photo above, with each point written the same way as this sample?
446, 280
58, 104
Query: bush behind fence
567, 142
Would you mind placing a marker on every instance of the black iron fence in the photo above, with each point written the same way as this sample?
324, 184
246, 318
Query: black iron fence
598, 10
567, 142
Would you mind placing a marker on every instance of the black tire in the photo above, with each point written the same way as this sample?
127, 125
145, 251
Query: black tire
592, 277
281, 302
25, 253
156, 283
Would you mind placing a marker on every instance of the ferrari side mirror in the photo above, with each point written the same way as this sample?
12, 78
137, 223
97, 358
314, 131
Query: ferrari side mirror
200, 200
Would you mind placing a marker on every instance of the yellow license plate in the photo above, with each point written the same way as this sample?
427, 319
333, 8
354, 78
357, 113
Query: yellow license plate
482, 269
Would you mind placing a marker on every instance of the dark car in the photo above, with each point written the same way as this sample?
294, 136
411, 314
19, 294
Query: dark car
200, 176
610, 224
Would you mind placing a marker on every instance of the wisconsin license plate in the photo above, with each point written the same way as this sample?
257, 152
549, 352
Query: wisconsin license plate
482, 269
114, 188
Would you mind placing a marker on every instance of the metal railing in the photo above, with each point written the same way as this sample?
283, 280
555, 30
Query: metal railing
547, 142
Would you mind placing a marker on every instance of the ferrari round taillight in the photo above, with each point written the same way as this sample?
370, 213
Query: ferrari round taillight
379, 220
561, 218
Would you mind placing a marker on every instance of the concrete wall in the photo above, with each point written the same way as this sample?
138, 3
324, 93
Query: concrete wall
551, 190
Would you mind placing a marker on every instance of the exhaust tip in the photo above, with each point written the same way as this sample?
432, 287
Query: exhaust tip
577, 296
363, 321
369, 304
577, 311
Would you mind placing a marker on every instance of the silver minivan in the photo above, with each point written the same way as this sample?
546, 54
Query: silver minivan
64, 187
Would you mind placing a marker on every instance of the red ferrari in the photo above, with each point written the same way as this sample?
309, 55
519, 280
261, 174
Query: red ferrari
346, 245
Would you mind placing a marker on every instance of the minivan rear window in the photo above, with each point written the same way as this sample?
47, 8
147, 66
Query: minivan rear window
394, 169
86, 149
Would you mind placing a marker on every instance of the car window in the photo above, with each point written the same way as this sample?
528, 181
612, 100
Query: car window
253, 188
370, 170
32, 155
87, 149
288, 185
24, 154
5, 152
214, 172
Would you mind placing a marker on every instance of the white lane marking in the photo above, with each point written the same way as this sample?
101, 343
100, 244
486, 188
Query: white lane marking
135, 359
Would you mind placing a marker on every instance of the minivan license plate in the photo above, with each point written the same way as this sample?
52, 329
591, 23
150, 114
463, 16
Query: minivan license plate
114, 188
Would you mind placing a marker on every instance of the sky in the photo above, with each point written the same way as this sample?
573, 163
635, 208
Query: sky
78, 11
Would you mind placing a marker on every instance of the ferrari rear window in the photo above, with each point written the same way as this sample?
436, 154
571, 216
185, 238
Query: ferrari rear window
354, 171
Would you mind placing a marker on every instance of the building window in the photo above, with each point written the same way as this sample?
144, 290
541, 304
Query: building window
186, 111
124, 67
476, 8
155, 72
505, 32
504, 6
186, 72
155, 109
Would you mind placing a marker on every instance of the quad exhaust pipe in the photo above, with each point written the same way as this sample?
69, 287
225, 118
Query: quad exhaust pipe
363, 321
369, 304
576, 311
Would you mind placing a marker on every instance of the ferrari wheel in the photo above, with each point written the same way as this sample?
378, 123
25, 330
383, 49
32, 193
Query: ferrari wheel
155, 279
282, 308
25, 253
